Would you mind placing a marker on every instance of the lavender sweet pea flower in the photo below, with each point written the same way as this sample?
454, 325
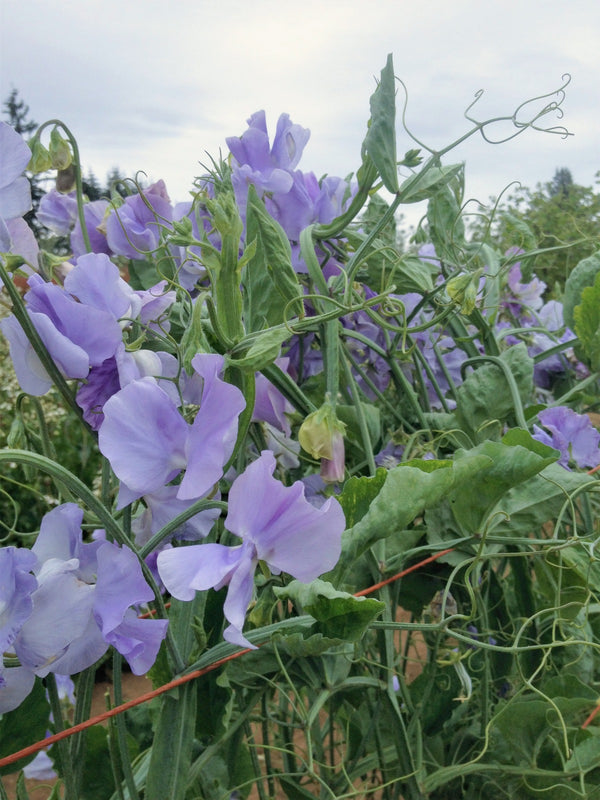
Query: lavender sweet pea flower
276, 524
269, 404
93, 214
572, 434
133, 230
148, 442
16, 587
81, 604
268, 169
76, 335
523, 296
252, 147
15, 685
58, 211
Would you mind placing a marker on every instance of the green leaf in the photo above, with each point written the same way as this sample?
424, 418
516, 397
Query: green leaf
408, 490
270, 283
484, 398
380, 141
508, 466
584, 274
172, 749
263, 350
97, 781
293, 790
358, 495
427, 182
434, 694
587, 323
28, 723
585, 755
537, 501
340, 615
143, 274
446, 226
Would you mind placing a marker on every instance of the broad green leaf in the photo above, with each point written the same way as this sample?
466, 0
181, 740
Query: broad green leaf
434, 693
407, 491
97, 777
143, 274
358, 495
270, 282
511, 465
527, 730
585, 755
587, 323
340, 615
530, 505
427, 182
380, 141
214, 779
26, 724
446, 226
262, 351
584, 274
411, 274
293, 790
484, 398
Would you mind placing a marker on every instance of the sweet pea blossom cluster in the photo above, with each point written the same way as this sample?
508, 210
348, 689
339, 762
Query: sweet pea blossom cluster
65, 601
82, 325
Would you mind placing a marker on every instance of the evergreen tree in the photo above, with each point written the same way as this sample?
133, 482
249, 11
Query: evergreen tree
554, 214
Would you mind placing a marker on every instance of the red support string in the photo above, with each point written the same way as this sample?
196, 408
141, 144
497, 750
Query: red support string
404, 572
143, 698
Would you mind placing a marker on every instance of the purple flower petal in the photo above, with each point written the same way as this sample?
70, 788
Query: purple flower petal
185, 570
143, 436
289, 533
119, 585
138, 640
214, 430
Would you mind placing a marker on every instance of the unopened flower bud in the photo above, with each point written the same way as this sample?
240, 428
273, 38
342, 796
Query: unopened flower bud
322, 435
60, 152
412, 158
40, 157
462, 290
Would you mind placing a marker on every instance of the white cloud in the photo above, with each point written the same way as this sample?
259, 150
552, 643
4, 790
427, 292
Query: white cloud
148, 86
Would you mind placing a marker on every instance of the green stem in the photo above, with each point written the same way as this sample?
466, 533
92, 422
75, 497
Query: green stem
360, 415
68, 773
121, 729
78, 177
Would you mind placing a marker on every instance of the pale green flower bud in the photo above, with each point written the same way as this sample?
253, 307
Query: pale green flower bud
60, 151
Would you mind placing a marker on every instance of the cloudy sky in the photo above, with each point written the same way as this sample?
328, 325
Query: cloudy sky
148, 85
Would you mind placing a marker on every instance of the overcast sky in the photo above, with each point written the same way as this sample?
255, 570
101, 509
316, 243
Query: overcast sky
149, 85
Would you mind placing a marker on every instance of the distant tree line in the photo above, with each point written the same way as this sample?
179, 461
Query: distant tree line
553, 215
